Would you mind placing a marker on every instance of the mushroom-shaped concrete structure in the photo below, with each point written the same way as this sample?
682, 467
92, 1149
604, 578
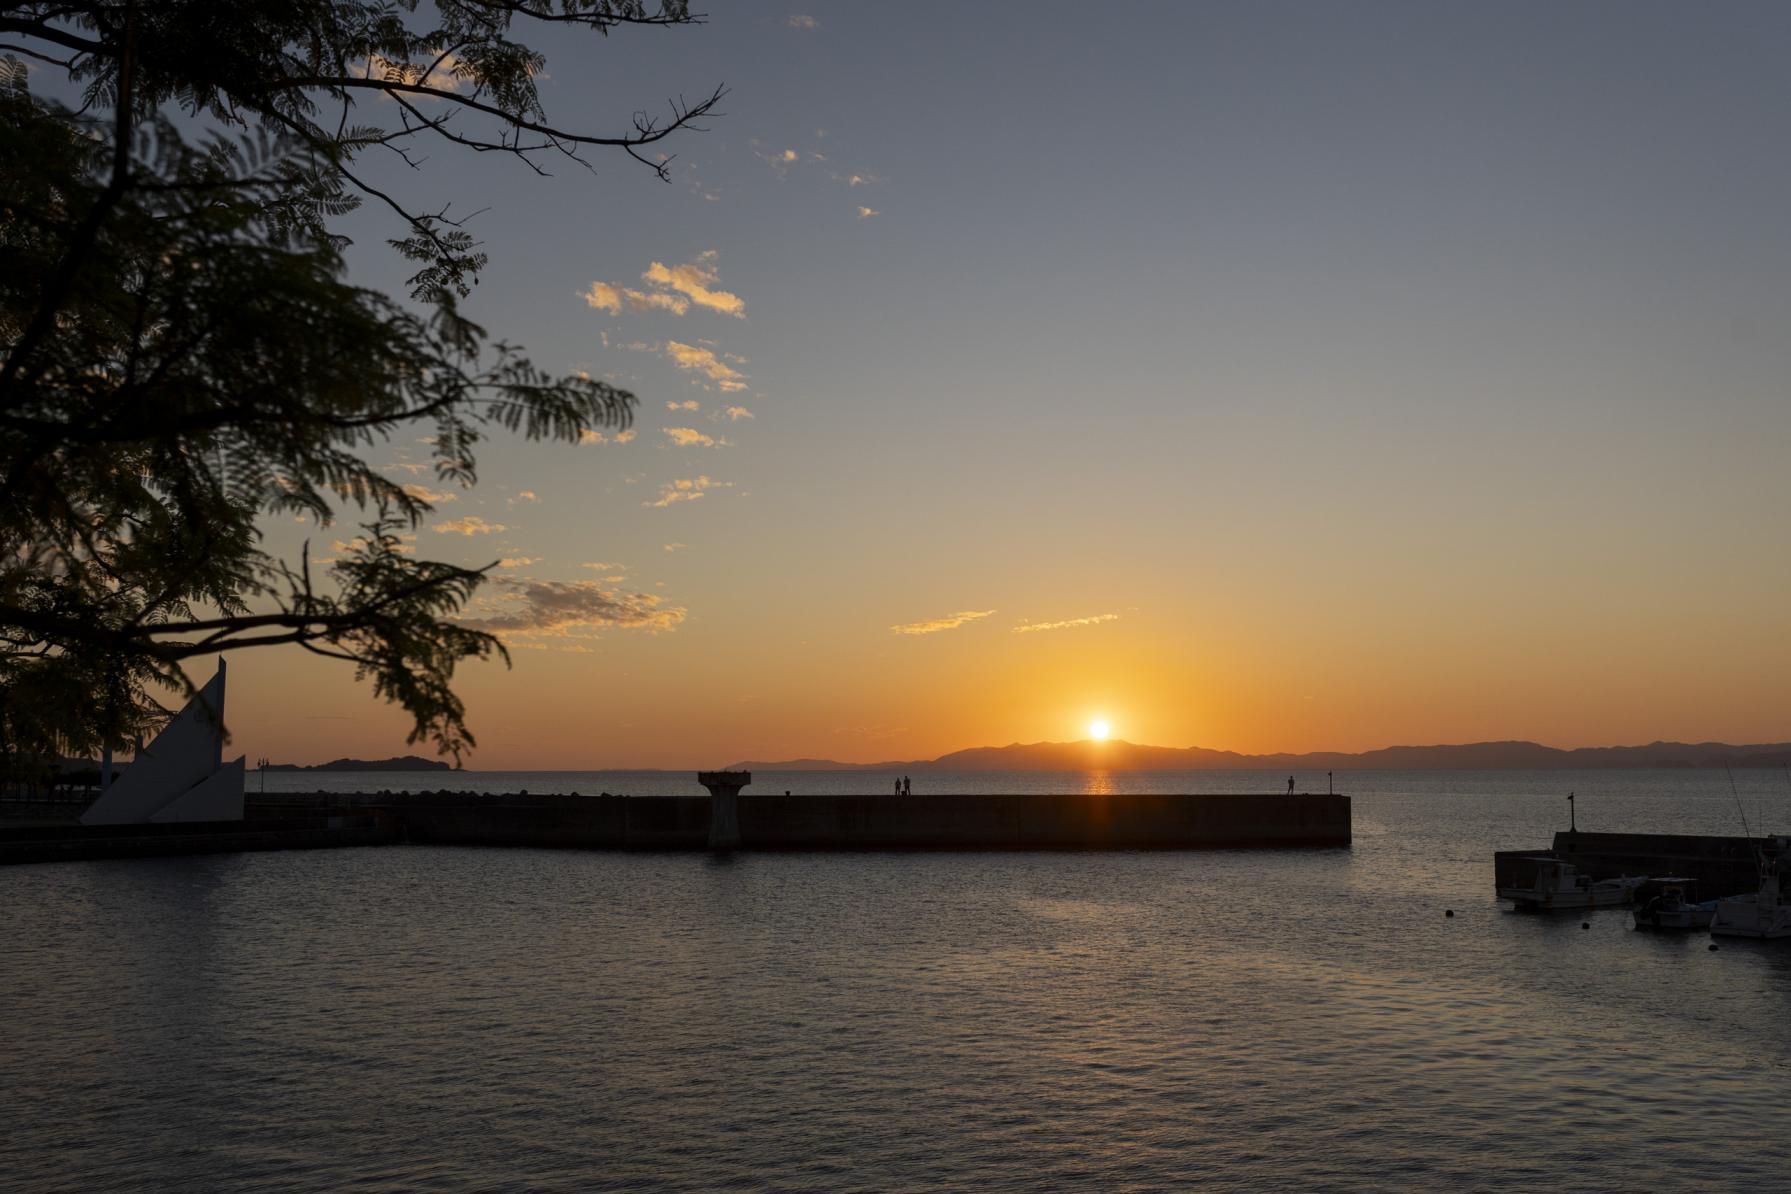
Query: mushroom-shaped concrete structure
724, 806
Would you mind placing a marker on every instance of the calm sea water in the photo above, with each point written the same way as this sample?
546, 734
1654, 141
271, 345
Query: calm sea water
421, 1018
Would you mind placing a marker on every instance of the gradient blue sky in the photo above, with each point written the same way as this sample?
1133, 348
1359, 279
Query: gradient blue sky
1393, 372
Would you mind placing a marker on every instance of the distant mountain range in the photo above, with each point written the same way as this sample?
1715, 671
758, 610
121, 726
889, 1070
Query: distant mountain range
1115, 755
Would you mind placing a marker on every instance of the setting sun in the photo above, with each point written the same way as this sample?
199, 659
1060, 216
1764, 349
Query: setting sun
1098, 730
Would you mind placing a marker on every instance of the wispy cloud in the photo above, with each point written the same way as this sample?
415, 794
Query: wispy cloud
1094, 620
472, 524
518, 561
802, 21
696, 359
425, 494
671, 288
696, 280
686, 490
675, 546
687, 404
690, 437
588, 436
858, 180
865, 213
604, 297
935, 625
736, 413
557, 607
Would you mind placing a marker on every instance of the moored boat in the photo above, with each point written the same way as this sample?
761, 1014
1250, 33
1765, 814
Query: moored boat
1559, 886
1671, 907
1764, 914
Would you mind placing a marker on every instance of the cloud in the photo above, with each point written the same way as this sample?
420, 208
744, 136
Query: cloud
604, 297
688, 404
604, 566
556, 607
675, 546
425, 494
694, 359
686, 490
518, 561
642, 300
672, 288
1094, 620
779, 160
736, 413
690, 437
694, 281
934, 625
588, 436
472, 524
526, 495
802, 21
859, 180
865, 213
405, 466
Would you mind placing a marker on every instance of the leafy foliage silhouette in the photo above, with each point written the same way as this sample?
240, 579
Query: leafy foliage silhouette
182, 355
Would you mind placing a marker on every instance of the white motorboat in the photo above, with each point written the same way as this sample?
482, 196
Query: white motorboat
1673, 908
1764, 914
1559, 886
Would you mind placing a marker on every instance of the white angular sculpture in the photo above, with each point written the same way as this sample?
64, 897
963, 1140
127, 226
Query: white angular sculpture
180, 776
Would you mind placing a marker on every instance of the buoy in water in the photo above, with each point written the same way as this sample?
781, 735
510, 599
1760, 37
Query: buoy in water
1713, 947
1585, 924
1448, 912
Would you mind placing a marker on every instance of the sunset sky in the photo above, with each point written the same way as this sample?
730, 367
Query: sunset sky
1257, 376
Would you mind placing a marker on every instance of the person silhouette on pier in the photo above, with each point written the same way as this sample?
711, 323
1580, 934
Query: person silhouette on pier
898, 787
1290, 785
907, 786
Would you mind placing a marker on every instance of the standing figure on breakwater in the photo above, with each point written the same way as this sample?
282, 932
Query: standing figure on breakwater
1290, 785
898, 790
907, 786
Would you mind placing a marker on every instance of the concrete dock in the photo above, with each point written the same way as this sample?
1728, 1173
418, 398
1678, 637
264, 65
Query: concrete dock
310, 831
1722, 866
1128, 821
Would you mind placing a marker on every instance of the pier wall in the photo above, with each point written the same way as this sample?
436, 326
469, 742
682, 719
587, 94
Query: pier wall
1722, 866
69, 843
1128, 821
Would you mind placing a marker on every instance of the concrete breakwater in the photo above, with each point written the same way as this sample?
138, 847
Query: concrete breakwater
306, 831
1123, 821
1721, 865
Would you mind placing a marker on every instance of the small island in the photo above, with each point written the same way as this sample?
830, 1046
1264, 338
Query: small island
401, 763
